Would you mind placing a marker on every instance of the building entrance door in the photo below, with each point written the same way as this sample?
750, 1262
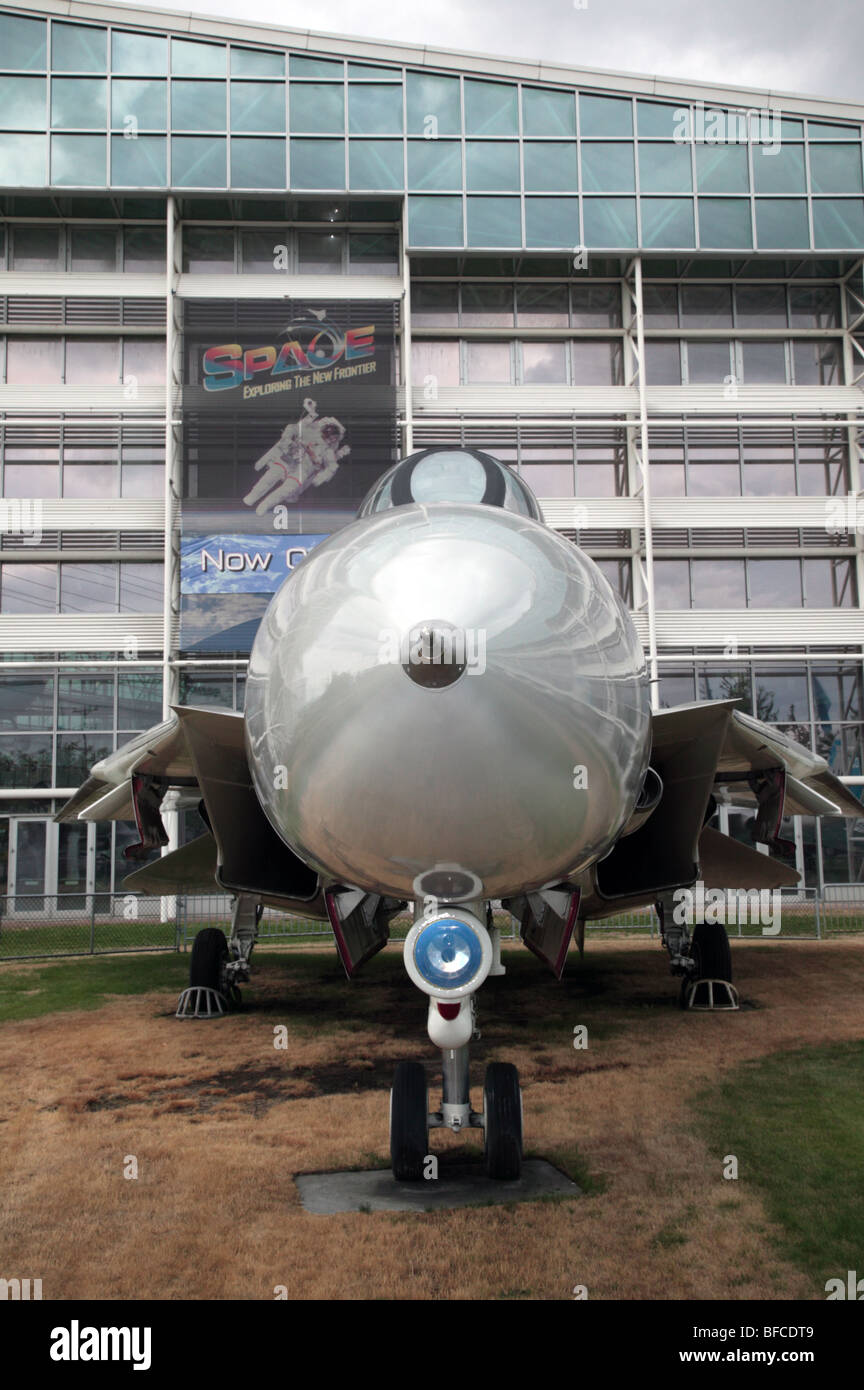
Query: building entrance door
51, 867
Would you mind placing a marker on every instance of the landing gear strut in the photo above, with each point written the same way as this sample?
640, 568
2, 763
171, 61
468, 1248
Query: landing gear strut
500, 1119
448, 954
701, 956
217, 966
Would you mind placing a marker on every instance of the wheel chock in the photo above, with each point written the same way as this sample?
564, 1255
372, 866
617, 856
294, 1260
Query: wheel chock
710, 996
199, 1001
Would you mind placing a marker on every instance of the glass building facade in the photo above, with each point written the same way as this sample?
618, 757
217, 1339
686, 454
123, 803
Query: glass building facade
648, 304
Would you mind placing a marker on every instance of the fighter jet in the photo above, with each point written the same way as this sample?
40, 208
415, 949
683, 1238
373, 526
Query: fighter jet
448, 710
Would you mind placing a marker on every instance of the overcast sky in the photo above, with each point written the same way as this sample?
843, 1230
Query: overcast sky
808, 46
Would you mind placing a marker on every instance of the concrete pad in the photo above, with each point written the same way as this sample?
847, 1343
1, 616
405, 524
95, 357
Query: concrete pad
460, 1185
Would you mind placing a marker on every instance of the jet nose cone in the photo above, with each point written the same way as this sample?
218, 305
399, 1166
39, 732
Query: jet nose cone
447, 690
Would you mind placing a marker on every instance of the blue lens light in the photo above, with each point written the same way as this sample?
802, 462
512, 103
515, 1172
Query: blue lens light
448, 953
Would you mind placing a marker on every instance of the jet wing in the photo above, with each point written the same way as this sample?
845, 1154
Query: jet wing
132, 783
159, 752
761, 766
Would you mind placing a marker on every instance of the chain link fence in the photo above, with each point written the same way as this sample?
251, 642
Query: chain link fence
37, 926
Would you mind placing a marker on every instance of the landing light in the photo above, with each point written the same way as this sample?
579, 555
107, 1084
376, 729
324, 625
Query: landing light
448, 955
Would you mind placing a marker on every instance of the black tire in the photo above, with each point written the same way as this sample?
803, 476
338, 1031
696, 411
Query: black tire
710, 950
409, 1121
502, 1111
209, 954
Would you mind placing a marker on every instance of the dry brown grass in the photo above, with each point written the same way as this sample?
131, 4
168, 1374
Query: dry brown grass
220, 1122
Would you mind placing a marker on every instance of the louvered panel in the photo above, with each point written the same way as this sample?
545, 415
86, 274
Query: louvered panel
668, 539
43, 632
561, 512
81, 312
83, 400
36, 310
716, 538
719, 512
754, 400
90, 313
811, 536
144, 313
500, 401
593, 539
132, 514
71, 284
142, 540
774, 627
782, 537
278, 285
89, 540
12, 540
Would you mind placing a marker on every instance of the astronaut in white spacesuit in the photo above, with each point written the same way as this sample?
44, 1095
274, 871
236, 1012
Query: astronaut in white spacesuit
306, 455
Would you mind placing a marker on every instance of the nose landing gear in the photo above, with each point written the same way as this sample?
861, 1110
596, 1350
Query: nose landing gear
500, 1118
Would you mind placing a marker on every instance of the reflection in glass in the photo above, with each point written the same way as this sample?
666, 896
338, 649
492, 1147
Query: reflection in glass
718, 584
198, 105
88, 588
193, 59
320, 252
23, 43
665, 168
78, 48
608, 167
763, 363
207, 252
28, 588
550, 167
146, 102
374, 110
488, 363
774, 583
433, 105
146, 54
708, 362
596, 362
92, 361
198, 161
484, 305
23, 101
492, 166
546, 112
257, 163
26, 701
605, 115
141, 587
258, 106
36, 248
544, 362
78, 160
143, 249
92, 249
79, 103
34, 361
317, 108
490, 108
141, 163
541, 306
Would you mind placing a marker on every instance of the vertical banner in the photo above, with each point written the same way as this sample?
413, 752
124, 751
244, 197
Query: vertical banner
289, 417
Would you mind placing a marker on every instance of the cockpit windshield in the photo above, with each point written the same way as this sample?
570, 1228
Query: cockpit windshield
451, 475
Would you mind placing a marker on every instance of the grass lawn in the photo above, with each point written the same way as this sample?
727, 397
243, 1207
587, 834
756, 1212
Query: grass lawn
795, 1121
86, 984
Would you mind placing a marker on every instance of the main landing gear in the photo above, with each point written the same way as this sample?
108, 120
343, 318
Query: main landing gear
217, 966
701, 956
448, 954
